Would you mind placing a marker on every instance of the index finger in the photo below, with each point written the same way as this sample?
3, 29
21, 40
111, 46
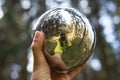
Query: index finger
75, 71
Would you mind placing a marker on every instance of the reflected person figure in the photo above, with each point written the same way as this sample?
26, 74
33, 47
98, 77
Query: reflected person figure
62, 44
60, 48
42, 67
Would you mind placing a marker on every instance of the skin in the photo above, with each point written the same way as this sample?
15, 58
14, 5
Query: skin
47, 67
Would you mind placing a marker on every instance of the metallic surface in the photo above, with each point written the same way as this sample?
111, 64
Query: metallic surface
77, 29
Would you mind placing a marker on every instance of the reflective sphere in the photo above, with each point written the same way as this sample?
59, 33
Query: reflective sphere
68, 33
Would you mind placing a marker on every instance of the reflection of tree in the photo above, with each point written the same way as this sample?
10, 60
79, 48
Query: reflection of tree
79, 28
52, 24
78, 53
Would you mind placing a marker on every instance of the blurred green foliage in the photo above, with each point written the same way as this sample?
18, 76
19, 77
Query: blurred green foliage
18, 16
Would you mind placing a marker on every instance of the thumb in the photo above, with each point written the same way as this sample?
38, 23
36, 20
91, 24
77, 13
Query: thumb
36, 46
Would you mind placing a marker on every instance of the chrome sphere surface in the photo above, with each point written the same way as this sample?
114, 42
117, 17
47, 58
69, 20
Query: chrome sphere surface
69, 33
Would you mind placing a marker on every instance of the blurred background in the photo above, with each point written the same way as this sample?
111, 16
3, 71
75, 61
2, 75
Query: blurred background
16, 22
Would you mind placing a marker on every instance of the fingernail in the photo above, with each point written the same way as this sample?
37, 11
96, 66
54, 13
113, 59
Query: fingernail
36, 35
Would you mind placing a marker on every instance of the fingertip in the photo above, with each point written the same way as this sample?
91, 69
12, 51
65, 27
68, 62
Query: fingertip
39, 33
75, 71
36, 39
36, 35
85, 64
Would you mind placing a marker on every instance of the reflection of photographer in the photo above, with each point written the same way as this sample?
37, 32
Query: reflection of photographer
62, 44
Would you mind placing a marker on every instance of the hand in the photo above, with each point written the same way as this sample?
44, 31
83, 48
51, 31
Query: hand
43, 70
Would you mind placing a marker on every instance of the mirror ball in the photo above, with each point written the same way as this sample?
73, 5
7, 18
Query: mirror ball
69, 33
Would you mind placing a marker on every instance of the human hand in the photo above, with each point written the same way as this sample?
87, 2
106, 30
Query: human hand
43, 70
